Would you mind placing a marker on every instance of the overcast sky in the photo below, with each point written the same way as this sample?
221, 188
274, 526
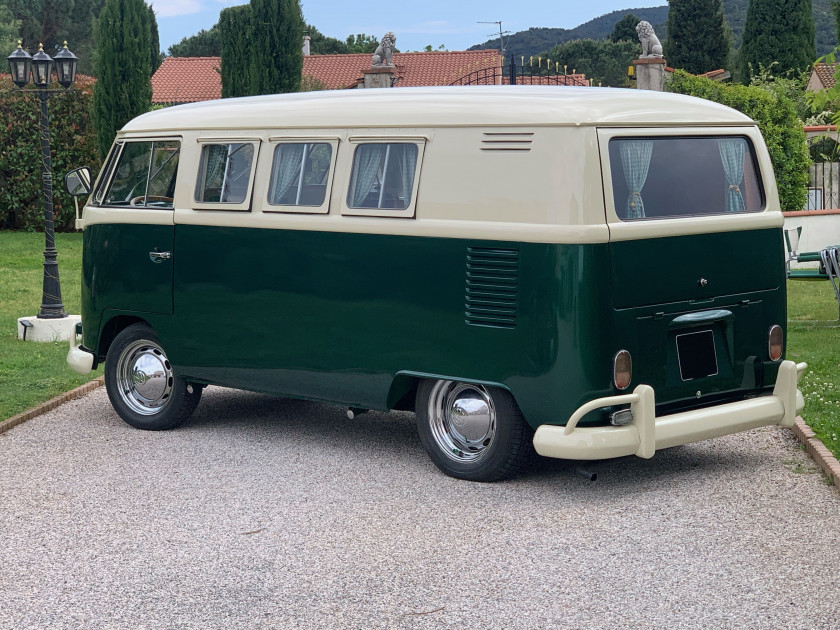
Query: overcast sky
416, 23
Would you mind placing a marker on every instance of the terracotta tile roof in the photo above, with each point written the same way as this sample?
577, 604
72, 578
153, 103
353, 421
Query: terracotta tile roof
412, 69
187, 80
824, 72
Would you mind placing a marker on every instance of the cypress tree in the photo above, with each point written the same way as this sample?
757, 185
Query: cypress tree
625, 29
697, 36
235, 37
780, 31
155, 42
276, 55
123, 88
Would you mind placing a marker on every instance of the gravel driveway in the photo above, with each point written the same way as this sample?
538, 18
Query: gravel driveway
268, 513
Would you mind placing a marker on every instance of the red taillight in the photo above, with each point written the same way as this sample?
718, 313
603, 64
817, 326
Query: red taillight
775, 342
622, 369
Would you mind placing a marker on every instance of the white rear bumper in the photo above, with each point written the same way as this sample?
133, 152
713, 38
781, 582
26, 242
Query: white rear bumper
647, 433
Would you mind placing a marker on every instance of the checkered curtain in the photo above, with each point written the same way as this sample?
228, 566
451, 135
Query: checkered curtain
368, 160
408, 163
635, 160
287, 164
732, 153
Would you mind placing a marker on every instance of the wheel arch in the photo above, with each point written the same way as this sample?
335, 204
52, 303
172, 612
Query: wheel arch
113, 327
403, 390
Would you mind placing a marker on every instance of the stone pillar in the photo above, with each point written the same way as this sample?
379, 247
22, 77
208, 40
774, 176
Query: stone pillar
650, 73
378, 77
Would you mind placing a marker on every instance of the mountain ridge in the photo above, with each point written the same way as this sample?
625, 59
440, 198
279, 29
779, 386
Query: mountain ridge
537, 40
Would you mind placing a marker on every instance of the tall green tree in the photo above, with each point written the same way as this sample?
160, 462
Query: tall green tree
320, 44
362, 43
780, 31
276, 55
9, 27
697, 36
625, 29
202, 44
235, 37
602, 60
156, 58
835, 12
123, 87
51, 22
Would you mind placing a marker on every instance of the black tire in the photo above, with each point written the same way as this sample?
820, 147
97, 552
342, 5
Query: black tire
471, 431
141, 385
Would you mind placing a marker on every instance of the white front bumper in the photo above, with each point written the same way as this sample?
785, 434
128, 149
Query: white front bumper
647, 433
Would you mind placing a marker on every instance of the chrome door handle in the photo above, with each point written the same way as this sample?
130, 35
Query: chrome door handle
157, 256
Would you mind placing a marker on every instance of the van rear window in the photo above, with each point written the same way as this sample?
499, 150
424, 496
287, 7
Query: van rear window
668, 177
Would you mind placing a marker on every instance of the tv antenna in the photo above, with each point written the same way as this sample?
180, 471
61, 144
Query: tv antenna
501, 39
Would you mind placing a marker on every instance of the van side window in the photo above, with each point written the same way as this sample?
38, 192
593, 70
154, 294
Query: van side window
299, 174
224, 172
669, 177
382, 176
145, 175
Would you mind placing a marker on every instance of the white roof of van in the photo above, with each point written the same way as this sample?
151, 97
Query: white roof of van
443, 106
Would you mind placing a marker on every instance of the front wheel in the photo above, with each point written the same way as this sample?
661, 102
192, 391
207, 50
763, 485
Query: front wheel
471, 431
141, 385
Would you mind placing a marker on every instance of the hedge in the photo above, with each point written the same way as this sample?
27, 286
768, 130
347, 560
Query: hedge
72, 141
778, 122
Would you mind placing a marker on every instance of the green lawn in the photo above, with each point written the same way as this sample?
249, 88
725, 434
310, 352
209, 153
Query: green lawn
34, 372
814, 337
31, 373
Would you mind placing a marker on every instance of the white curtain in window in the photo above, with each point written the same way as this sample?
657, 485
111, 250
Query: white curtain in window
367, 163
732, 153
216, 160
407, 156
635, 160
286, 169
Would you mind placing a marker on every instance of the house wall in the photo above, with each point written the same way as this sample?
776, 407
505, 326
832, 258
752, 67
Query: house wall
820, 229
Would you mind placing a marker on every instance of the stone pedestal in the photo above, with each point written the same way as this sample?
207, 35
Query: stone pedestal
378, 77
650, 73
34, 329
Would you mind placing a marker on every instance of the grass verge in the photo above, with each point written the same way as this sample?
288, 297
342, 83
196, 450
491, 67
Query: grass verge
814, 337
30, 372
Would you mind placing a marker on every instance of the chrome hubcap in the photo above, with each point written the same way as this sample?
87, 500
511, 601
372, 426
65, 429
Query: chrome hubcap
145, 377
463, 419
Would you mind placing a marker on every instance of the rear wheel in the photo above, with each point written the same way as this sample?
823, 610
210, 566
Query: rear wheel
141, 384
471, 431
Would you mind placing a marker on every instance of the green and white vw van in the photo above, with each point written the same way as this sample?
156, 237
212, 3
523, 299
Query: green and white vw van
588, 273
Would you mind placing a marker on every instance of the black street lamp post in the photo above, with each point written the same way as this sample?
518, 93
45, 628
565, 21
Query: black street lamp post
41, 67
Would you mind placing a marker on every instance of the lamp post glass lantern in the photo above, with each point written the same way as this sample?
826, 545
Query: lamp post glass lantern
41, 67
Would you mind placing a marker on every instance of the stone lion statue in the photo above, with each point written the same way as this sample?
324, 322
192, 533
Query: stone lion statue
651, 46
385, 51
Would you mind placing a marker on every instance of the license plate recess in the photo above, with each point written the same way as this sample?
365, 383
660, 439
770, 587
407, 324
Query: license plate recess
696, 355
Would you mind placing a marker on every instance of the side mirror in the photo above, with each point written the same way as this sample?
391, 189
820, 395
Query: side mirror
78, 181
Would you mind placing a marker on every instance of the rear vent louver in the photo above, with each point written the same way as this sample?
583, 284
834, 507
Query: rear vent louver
507, 141
492, 293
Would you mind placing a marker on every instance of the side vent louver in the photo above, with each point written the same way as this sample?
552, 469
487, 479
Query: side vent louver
507, 141
492, 294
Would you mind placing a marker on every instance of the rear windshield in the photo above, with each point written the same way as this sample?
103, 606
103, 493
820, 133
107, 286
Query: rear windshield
655, 178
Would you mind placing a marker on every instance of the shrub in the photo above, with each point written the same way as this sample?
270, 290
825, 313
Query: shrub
778, 122
72, 142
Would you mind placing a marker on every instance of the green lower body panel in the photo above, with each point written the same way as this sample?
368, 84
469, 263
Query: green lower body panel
355, 318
